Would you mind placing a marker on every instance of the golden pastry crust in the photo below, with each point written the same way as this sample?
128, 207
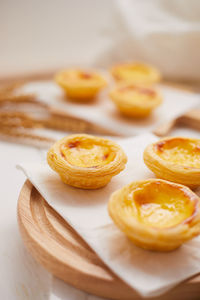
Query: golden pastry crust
135, 100
156, 214
86, 161
136, 72
176, 159
80, 85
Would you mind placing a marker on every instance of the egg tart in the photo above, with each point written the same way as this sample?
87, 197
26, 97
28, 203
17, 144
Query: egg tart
135, 100
136, 72
176, 159
80, 85
86, 161
156, 214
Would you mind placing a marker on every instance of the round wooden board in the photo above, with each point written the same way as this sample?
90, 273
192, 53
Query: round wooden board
55, 245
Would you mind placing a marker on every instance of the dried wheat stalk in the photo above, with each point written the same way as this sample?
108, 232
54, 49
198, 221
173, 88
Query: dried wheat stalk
13, 122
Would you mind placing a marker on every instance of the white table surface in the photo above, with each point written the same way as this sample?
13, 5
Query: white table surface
21, 276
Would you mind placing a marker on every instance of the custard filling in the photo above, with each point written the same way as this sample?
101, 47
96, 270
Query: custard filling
85, 75
137, 94
132, 90
159, 205
180, 151
77, 76
130, 71
87, 154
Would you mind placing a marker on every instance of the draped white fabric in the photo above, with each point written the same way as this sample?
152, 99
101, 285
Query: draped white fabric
41, 35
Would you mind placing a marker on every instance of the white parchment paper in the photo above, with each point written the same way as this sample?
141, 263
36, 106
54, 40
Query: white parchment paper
103, 112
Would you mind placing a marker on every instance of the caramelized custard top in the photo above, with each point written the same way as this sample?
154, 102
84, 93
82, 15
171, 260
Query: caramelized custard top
87, 153
180, 151
160, 205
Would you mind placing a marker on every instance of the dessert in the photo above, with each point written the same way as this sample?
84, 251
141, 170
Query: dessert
135, 100
86, 161
136, 72
156, 214
80, 85
176, 159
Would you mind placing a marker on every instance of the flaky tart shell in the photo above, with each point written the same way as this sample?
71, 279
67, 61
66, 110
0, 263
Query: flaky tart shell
135, 72
135, 101
86, 161
176, 159
80, 85
156, 214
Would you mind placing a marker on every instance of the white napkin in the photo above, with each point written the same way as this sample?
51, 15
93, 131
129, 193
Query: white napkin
149, 273
104, 113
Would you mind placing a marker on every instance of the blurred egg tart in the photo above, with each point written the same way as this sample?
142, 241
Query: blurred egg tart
80, 85
86, 161
156, 214
135, 100
136, 72
176, 159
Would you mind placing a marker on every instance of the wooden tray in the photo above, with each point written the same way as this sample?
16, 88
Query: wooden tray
55, 245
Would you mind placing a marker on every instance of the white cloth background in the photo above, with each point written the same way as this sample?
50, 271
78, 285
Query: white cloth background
40, 35
165, 33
